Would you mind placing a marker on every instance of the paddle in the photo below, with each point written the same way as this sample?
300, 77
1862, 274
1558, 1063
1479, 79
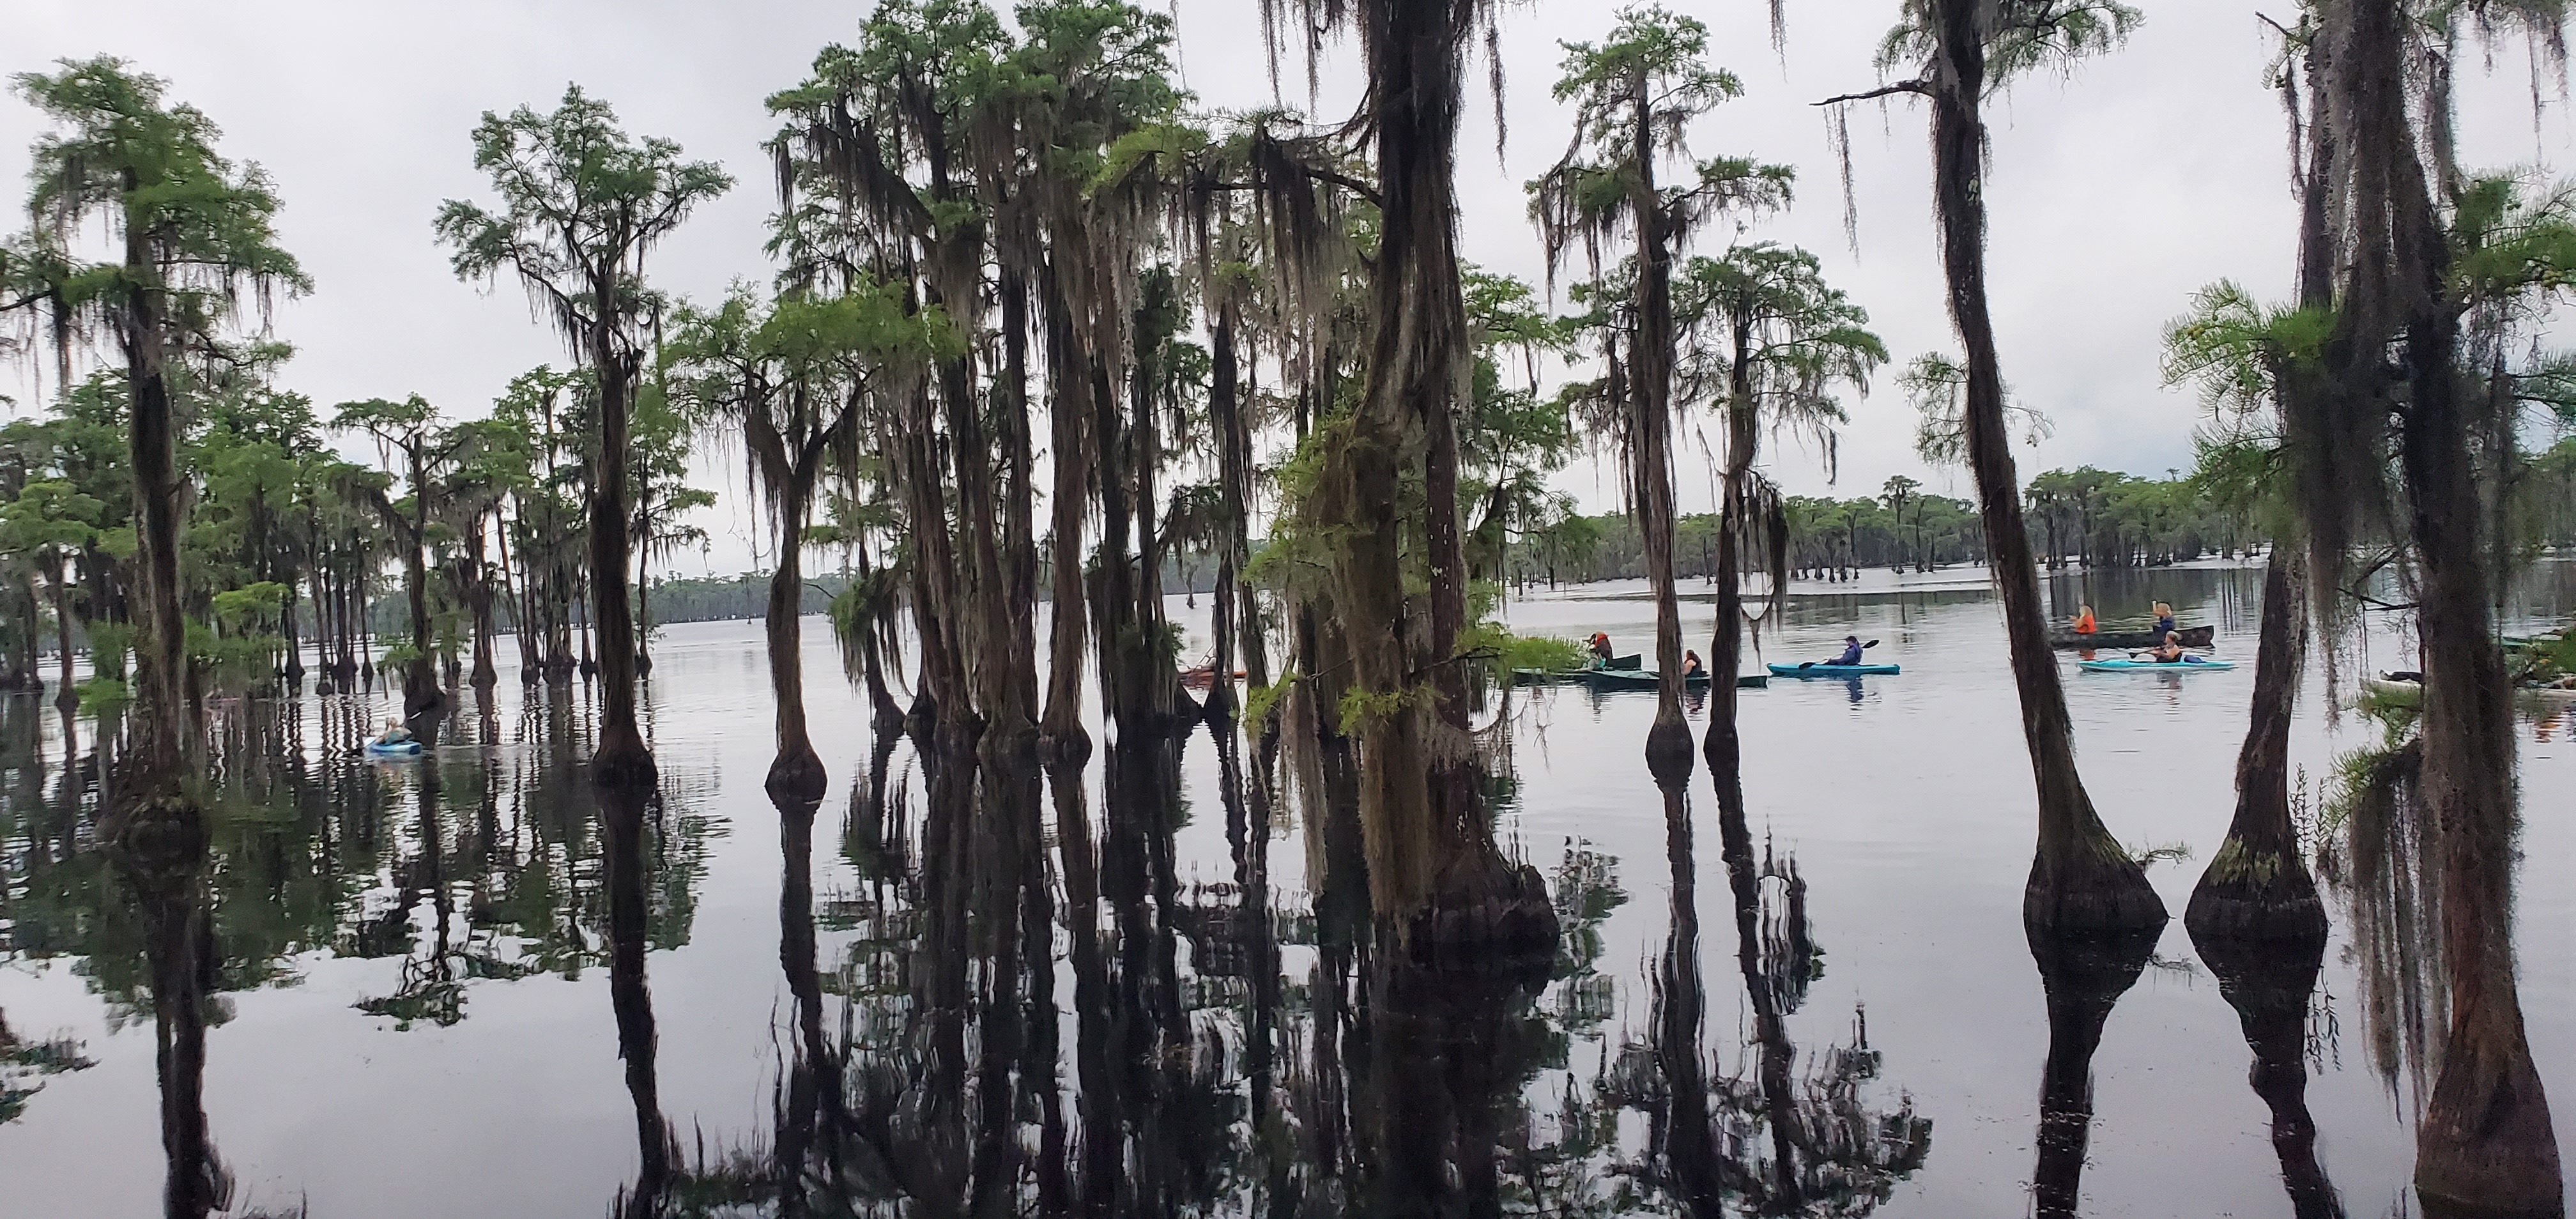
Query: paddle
1812, 663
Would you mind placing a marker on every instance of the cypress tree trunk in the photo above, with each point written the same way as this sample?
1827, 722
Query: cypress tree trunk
479, 590
421, 694
934, 568
1074, 457
1726, 650
621, 758
1224, 415
796, 776
2257, 885
989, 615
1019, 541
1651, 363
160, 646
2080, 878
2486, 1141
1161, 689
1250, 634
66, 696
1429, 846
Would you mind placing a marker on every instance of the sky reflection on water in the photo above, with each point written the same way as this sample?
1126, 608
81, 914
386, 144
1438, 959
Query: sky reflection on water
412, 1012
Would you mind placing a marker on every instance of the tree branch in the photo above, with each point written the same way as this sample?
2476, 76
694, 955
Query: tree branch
1917, 87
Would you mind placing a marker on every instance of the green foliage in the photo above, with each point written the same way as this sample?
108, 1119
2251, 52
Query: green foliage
1260, 702
581, 202
1546, 652
1937, 387
1358, 708
122, 155
2021, 36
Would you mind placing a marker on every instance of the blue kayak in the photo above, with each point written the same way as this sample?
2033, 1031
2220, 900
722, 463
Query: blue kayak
404, 749
1823, 670
2151, 666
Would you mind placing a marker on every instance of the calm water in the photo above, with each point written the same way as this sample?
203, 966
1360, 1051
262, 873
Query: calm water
414, 1016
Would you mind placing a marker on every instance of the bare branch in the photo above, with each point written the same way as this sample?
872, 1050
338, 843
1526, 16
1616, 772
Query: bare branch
1918, 87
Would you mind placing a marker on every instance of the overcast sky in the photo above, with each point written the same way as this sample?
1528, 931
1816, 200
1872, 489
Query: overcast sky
2114, 192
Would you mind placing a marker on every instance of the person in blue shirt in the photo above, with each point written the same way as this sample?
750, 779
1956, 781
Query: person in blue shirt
394, 734
2164, 620
1851, 652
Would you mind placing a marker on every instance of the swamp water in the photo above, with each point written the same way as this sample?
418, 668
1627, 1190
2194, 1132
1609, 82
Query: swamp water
410, 962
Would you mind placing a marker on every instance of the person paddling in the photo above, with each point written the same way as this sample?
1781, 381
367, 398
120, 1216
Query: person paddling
2170, 651
1851, 652
394, 734
2164, 620
2084, 624
1691, 666
1600, 649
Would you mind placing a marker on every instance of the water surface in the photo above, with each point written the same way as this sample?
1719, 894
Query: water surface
413, 1018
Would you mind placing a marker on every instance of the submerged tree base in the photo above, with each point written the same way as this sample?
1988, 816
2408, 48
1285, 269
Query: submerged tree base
2249, 894
2099, 891
1484, 916
796, 778
1668, 753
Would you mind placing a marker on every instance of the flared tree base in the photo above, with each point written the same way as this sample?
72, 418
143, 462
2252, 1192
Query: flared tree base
1485, 916
1669, 757
2097, 891
624, 769
796, 777
2247, 895
2485, 1148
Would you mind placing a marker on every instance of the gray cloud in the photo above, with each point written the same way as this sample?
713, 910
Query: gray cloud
2114, 192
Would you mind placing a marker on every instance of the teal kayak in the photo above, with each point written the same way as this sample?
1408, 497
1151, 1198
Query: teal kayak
403, 750
2151, 666
1821, 670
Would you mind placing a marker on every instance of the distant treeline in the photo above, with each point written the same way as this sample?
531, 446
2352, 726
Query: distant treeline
2100, 518
722, 598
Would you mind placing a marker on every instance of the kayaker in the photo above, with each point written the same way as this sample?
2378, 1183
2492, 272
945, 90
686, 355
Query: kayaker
1851, 652
2084, 624
394, 734
1600, 649
1690, 664
2170, 651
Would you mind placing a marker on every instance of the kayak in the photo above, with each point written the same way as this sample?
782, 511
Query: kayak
1648, 679
403, 749
1823, 670
2151, 666
2203, 636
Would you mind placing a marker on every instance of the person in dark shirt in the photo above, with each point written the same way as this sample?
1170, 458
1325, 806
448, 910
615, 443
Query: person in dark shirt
1691, 666
1851, 652
1600, 649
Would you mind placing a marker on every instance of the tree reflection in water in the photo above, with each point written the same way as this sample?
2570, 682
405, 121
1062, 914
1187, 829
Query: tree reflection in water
2084, 977
2269, 985
1781, 1141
